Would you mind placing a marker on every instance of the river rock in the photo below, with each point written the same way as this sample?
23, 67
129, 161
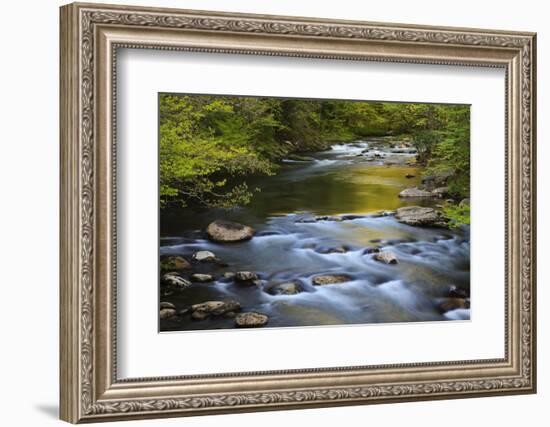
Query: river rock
287, 288
251, 320
440, 192
245, 277
174, 280
167, 313
330, 279
409, 176
213, 308
453, 304
174, 263
381, 214
204, 256
335, 250
417, 215
328, 218
165, 304
227, 231
351, 217
431, 182
371, 250
228, 275
386, 257
415, 192
202, 278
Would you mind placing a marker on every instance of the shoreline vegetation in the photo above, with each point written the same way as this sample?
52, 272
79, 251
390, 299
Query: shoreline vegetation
295, 212
211, 145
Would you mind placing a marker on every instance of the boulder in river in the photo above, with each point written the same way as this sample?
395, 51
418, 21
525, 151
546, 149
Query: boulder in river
449, 304
213, 308
174, 280
174, 262
245, 277
431, 182
417, 215
167, 313
330, 279
204, 256
286, 288
251, 320
440, 192
371, 250
386, 257
165, 304
416, 193
228, 231
202, 278
410, 175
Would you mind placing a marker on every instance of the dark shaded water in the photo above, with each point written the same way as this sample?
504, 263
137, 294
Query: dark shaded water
335, 182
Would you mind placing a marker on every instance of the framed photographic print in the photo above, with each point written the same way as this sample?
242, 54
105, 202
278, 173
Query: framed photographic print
265, 212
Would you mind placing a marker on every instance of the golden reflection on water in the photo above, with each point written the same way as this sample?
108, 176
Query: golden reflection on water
376, 188
349, 189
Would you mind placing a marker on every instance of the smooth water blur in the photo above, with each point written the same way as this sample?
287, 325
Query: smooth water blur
334, 182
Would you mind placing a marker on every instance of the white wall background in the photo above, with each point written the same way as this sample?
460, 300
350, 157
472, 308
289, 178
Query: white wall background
29, 170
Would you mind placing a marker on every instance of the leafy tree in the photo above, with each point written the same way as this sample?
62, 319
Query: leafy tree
211, 145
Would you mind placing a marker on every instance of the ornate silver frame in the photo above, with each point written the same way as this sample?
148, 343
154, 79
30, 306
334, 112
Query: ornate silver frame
90, 36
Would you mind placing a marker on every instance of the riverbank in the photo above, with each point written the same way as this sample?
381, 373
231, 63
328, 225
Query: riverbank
329, 215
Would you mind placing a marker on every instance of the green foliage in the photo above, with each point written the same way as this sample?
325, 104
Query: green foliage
457, 215
202, 142
211, 145
451, 154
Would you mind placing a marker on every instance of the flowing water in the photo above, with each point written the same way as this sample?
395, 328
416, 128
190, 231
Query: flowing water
290, 246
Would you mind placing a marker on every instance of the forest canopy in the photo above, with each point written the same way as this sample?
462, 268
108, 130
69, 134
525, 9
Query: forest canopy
210, 144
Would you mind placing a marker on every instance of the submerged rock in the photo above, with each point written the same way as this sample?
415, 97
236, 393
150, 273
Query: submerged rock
213, 308
371, 250
415, 192
351, 217
330, 279
204, 256
381, 214
173, 262
251, 320
228, 231
245, 277
202, 278
286, 288
335, 250
385, 257
410, 175
328, 218
417, 215
174, 280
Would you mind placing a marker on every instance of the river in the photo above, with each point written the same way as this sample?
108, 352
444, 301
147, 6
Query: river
289, 246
